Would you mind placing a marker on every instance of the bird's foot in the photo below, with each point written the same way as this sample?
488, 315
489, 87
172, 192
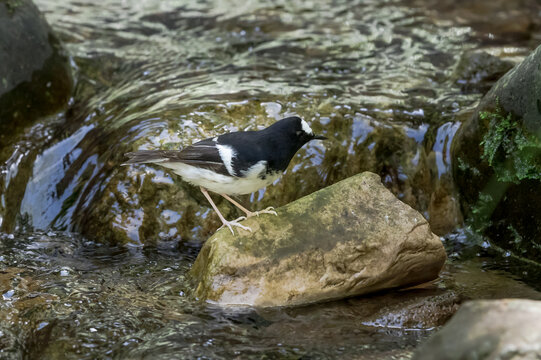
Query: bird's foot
235, 222
269, 210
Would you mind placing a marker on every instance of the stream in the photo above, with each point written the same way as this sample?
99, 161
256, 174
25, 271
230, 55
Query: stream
94, 256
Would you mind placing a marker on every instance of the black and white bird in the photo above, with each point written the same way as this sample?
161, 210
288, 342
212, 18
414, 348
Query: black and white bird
236, 163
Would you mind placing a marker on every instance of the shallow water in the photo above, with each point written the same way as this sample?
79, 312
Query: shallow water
374, 76
66, 297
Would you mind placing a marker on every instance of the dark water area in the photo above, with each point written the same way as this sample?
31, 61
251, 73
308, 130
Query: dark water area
94, 257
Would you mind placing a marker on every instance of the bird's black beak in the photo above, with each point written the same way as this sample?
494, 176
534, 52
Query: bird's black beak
319, 137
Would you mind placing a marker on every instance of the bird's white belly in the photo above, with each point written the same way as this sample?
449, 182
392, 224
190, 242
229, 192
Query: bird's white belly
222, 184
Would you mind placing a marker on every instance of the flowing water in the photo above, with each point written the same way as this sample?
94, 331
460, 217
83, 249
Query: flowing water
376, 77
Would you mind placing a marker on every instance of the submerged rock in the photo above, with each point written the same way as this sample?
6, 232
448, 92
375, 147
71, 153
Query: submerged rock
477, 71
488, 329
497, 161
351, 238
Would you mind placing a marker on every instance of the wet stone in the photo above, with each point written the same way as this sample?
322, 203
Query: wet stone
133, 300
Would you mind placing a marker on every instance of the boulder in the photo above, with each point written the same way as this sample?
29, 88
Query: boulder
35, 75
354, 237
497, 162
35, 81
488, 329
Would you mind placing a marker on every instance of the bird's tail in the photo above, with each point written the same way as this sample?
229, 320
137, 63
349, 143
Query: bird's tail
146, 156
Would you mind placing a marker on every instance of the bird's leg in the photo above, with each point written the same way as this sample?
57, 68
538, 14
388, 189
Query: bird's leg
269, 210
224, 221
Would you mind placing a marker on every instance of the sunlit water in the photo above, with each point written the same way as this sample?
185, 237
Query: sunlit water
373, 76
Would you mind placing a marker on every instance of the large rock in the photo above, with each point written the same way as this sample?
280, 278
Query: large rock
488, 329
497, 161
351, 238
35, 81
35, 75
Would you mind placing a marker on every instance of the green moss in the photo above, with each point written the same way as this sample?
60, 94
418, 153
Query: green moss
516, 240
12, 4
482, 211
513, 153
464, 167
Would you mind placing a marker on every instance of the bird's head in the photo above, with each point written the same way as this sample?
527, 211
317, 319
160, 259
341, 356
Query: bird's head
297, 130
287, 136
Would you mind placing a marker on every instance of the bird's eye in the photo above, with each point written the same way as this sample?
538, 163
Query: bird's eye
299, 133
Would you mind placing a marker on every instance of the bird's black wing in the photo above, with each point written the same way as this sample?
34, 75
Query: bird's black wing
202, 154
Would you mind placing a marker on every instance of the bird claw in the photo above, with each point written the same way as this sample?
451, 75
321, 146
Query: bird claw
231, 223
269, 210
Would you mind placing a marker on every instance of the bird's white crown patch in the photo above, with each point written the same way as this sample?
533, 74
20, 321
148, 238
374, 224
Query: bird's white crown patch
306, 128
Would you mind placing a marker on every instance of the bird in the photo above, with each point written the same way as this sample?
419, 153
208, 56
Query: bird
234, 163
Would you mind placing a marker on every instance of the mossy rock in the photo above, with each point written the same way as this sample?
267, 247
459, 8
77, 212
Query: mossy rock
497, 162
354, 237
